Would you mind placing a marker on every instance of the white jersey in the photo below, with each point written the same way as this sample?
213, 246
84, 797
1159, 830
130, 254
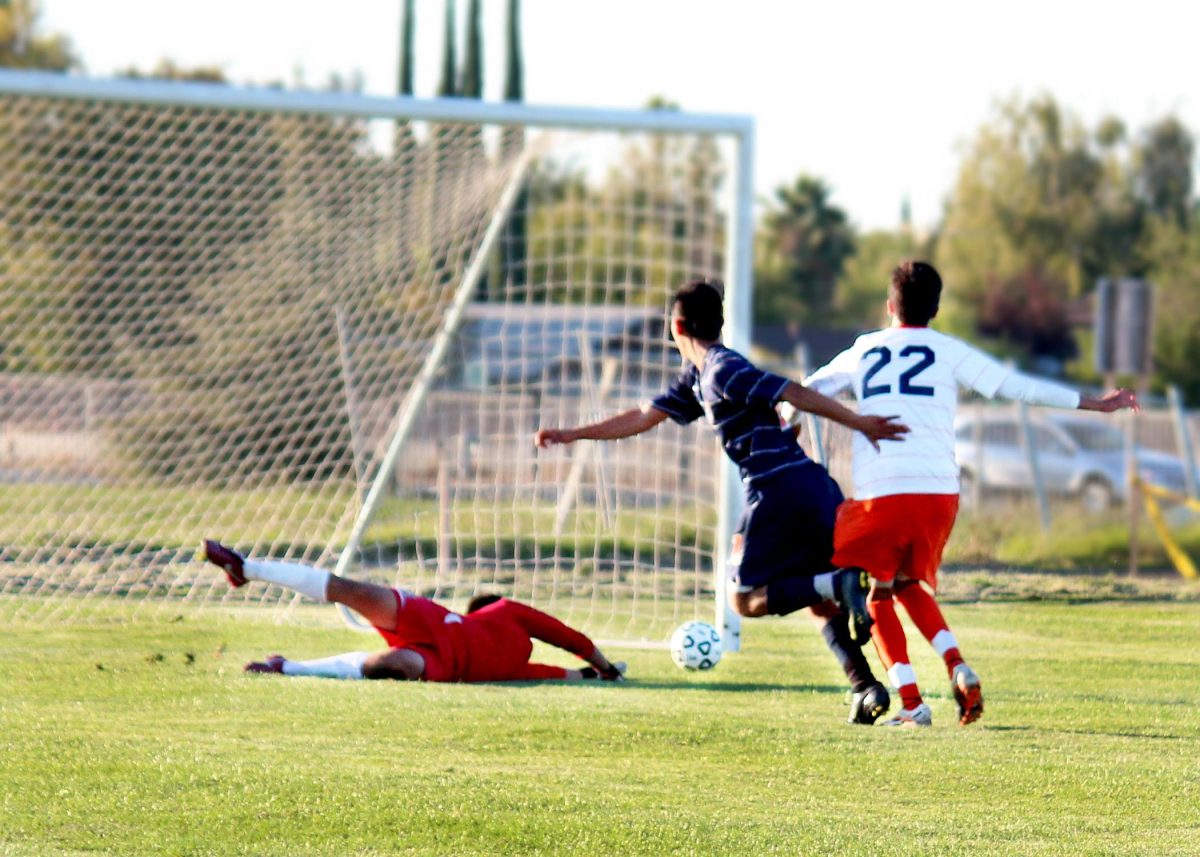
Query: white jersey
912, 373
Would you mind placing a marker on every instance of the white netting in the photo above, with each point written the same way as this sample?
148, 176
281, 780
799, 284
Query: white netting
211, 318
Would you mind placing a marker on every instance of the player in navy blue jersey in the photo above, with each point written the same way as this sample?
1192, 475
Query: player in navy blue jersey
780, 556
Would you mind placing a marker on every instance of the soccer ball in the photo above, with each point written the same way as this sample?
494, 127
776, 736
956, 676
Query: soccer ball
696, 646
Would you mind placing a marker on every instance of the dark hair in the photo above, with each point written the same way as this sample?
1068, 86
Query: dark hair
916, 290
700, 307
481, 601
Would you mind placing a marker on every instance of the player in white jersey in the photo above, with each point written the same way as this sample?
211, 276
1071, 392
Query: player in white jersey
906, 494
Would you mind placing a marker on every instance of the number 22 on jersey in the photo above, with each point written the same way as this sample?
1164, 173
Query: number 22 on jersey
915, 359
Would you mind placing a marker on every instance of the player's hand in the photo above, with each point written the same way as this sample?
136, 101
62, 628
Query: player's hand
546, 438
1115, 400
882, 428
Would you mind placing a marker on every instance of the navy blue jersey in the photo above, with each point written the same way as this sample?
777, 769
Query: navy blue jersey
738, 400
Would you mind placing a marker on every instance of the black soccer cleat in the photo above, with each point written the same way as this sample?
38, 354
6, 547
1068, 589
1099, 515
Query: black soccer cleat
226, 559
850, 588
869, 705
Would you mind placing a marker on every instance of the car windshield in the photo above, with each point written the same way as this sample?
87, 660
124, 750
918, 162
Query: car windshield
1095, 437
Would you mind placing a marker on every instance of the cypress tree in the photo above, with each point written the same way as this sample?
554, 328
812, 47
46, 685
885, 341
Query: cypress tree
472, 77
448, 85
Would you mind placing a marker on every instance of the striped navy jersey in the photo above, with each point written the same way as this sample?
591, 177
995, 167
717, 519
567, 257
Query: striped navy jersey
738, 400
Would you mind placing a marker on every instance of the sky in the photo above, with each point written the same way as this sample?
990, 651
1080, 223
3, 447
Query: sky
879, 99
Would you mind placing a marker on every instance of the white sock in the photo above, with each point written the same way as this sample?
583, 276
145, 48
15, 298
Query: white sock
943, 641
348, 665
303, 578
900, 675
823, 583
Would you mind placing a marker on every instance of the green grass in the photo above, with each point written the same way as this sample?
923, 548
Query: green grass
144, 517
310, 520
148, 739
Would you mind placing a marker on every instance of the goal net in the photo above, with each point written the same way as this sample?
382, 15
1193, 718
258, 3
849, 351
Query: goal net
325, 328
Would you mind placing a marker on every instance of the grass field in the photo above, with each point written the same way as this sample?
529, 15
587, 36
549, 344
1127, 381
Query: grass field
148, 739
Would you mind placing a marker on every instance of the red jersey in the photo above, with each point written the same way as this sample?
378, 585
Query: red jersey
492, 644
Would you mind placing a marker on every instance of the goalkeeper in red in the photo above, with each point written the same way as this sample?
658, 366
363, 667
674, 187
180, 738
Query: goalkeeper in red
427, 642
906, 494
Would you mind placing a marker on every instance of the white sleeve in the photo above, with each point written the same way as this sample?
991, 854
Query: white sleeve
1031, 391
979, 371
836, 376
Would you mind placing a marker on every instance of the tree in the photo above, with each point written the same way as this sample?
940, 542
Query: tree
806, 242
1173, 252
448, 83
472, 76
404, 75
862, 288
1040, 199
1163, 170
515, 244
22, 46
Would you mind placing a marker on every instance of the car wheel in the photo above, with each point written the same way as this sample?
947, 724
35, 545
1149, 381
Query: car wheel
1096, 496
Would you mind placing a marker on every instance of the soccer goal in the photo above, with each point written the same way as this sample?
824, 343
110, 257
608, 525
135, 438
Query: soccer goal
325, 327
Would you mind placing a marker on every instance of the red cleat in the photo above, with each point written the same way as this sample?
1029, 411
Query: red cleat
273, 664
967, 693
227, 559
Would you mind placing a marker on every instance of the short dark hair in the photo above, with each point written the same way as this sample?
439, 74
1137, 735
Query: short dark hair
915, 293
481, 601
701, 308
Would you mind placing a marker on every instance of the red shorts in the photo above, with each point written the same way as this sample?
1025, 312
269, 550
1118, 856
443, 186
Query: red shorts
898, 535
423, 626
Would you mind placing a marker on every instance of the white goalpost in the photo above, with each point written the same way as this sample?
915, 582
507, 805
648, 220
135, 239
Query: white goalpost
325, 327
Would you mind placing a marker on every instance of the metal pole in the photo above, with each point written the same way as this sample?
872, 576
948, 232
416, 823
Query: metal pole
407, 418
1133, 493
1183, 438
811, 423
42, 84
739, 289
1035, 472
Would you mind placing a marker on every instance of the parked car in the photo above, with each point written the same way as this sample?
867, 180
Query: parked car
1077, 457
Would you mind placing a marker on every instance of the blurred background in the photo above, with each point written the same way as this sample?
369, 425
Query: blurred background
1030, 153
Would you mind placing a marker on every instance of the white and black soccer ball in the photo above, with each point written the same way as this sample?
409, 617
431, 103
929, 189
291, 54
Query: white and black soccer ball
696, 646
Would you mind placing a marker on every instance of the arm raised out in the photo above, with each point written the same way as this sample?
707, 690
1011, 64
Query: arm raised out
874, 428
625, 424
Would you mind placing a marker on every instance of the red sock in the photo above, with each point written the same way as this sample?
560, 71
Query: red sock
892, 646
927, 616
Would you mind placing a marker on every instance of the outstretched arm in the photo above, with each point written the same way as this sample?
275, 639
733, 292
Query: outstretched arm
625, 424
1114, 400
875, 428
544, 627
1034, 391
988, 377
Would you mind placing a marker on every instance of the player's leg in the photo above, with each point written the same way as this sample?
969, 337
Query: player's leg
403, 664
783, 537
867, 537
376, 604
892, 646
927, 616
869, 699
935, 521
345, 666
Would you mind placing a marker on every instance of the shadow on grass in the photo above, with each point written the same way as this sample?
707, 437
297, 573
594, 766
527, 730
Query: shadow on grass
707, 687
1089, 733
735, 686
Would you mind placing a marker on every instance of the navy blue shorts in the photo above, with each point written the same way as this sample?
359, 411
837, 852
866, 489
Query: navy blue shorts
786, 529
